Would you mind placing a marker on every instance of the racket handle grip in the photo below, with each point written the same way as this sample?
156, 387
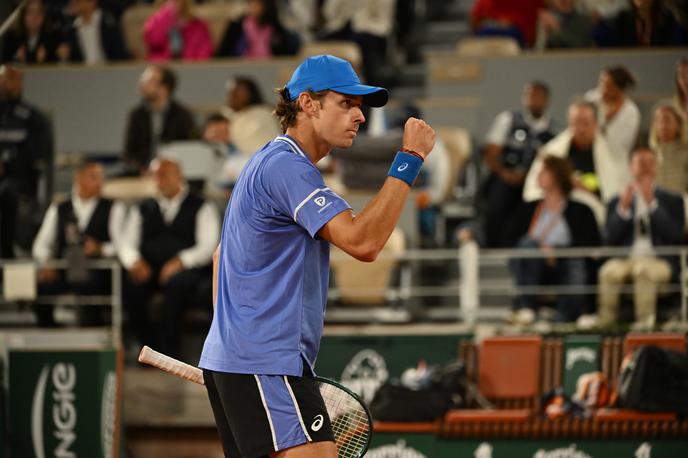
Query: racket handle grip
171, 365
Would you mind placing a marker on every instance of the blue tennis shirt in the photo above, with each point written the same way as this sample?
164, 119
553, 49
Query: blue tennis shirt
273, 271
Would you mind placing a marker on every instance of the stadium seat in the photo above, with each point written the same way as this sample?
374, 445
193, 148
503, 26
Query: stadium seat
132, 29
669, 341
343, 49
458, 144
487, 46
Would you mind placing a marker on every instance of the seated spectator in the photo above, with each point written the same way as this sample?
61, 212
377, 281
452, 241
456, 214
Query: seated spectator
564, 26
507, 18
26, 148
556, 221
167, 243
618, 116
258, 34
600, 172
603, 9
173, 32
252, 122
642, 217
512, 144
369, 23
157, 120
681, 94
94, 37
645, 23
216, 132
86, 226
669, 140
33, 40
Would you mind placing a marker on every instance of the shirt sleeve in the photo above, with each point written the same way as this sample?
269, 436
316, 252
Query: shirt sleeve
499, 131
45, 241
131, 239
296, 189
115, 226
207, 238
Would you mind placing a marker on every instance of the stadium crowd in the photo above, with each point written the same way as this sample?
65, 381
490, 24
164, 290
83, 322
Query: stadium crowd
592, 179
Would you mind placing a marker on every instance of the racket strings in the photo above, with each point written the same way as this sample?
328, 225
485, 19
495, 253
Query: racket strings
350, 423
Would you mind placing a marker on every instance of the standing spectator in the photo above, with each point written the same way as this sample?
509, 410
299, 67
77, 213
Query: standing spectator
618, 115
512, 143
88, 223
681, 94
252, 122
33, 40
158, 119
173, 32
564, 26
168, 242
258, 34
645, 23
556, 221
94, 37
669, 140
507, 18
642, 217
600, 172
26, 149
369, 23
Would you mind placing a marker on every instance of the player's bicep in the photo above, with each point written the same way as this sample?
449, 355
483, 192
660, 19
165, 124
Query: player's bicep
341, 232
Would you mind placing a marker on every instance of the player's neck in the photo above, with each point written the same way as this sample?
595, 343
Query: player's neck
314, 147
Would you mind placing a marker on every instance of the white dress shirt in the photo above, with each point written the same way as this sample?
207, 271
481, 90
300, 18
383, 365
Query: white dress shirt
622, 130
89, 38
207, 232
45, 244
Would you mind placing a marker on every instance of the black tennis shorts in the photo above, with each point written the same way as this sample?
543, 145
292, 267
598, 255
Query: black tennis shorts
260, 414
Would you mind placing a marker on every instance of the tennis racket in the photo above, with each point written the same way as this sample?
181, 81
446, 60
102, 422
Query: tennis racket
352, 424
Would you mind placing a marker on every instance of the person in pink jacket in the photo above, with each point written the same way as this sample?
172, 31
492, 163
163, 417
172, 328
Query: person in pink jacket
173, 32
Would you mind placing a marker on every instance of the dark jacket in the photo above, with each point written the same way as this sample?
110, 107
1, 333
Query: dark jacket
233, 44
178, 124
110, 39
666, 223
621, 31
578, 216
15, 39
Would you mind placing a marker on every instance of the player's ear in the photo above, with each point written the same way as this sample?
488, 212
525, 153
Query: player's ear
308, 104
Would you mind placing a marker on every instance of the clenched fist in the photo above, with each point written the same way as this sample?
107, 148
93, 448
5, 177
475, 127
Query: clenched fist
418, 137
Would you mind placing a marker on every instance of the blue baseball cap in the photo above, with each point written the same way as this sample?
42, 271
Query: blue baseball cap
325, 72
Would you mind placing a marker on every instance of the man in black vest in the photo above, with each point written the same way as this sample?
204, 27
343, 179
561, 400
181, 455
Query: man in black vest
84, 226
512, 143
157, 120
168, 243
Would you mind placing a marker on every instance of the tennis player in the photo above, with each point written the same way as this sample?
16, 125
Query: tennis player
273, 264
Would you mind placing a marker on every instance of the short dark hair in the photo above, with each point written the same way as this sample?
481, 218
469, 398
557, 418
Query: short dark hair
287, 110
562, 172
168, 78
580, 102
85, 163
540, 85
641, 148
215, 117
255, 96
622, 77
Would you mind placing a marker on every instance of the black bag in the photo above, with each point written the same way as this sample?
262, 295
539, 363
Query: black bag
655, 380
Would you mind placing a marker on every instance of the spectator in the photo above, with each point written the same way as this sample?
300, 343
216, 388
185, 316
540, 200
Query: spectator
26, 149
94, 37
173, 32
512, 143
556, 221
369, 23
642, 217
599, 171
645, 23
34, 40
168, 243
669, 140
216, 132
681, 94
564, 26
603, 9
252, 122
299, 16
507, 18
258, 34
618, 116
88, 223
158, 119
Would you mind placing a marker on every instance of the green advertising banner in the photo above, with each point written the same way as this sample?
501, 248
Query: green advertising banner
581, 356
62, 404
388, 445
365, 362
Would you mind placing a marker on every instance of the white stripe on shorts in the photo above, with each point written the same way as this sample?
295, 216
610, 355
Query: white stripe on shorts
298, 410
267, 412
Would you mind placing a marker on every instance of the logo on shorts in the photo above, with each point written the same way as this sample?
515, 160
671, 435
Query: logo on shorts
320, 201
402, 167
317, 423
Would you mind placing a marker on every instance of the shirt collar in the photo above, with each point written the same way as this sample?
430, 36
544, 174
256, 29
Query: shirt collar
78, 201
293, 145
181, 195
95, 20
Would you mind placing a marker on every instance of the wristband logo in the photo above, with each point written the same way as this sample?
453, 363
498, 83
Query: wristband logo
403, 167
